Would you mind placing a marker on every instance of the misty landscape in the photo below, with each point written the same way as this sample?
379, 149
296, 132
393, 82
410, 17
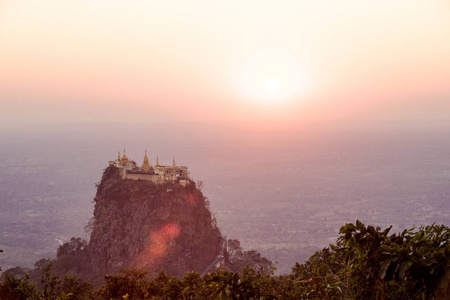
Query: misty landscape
224, 150
286, 195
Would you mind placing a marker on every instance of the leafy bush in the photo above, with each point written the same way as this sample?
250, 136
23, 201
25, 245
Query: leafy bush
366, 263
413, 264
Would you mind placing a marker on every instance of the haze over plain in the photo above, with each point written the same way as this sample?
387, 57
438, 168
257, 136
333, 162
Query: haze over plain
281, 107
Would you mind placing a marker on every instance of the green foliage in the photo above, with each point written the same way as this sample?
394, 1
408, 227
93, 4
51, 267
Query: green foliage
51, 283
72, 257
411, 264
222, 284
74, 245
366, 263
54, 288
18, 272
239, 259
323, 275
16, 289
135, 284
75, 288
193, 286
229, 285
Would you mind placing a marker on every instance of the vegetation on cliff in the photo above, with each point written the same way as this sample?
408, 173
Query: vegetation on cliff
365, 263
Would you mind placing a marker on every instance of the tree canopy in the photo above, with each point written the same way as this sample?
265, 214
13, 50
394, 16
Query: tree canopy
365, 263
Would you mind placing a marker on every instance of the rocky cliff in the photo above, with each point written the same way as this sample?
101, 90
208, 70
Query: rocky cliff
141, 224
138, 223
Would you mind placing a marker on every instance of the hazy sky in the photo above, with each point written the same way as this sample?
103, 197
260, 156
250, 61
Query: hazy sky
109, 61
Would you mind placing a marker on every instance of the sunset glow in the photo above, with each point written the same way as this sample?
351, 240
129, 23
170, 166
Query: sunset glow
223, 61
272, 84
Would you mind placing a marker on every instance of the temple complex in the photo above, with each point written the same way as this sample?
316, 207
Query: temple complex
158, 174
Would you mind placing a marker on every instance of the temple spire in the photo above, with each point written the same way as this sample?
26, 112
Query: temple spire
124, 157
157, 161
173, 163
145, 165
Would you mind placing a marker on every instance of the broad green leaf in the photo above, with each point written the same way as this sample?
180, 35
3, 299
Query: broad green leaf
384, 268
403, 268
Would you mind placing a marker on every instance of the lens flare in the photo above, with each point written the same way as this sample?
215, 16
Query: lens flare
192, 199
161, 238
172, 230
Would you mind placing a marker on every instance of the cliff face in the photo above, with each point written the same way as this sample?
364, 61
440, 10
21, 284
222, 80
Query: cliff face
141, 224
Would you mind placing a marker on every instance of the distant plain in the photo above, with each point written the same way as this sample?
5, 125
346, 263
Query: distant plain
284, 193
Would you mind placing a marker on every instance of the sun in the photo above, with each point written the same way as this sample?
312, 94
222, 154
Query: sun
272, 77
272, 84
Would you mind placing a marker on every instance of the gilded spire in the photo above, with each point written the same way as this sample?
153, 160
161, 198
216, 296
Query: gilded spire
118, 155
157, 161
173, 163
124, 157
145, 165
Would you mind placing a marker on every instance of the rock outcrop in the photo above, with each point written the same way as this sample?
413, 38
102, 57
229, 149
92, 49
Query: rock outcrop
145, 225
138, 223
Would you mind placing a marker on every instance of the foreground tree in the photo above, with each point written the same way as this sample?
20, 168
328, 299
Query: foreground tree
17, 289
366, 263
239, 259
413, 264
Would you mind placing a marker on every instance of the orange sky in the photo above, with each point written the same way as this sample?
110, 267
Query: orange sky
109, 61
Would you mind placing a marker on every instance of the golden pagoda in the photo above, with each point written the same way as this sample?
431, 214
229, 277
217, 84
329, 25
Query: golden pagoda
157, 173
145, 165
124, 158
